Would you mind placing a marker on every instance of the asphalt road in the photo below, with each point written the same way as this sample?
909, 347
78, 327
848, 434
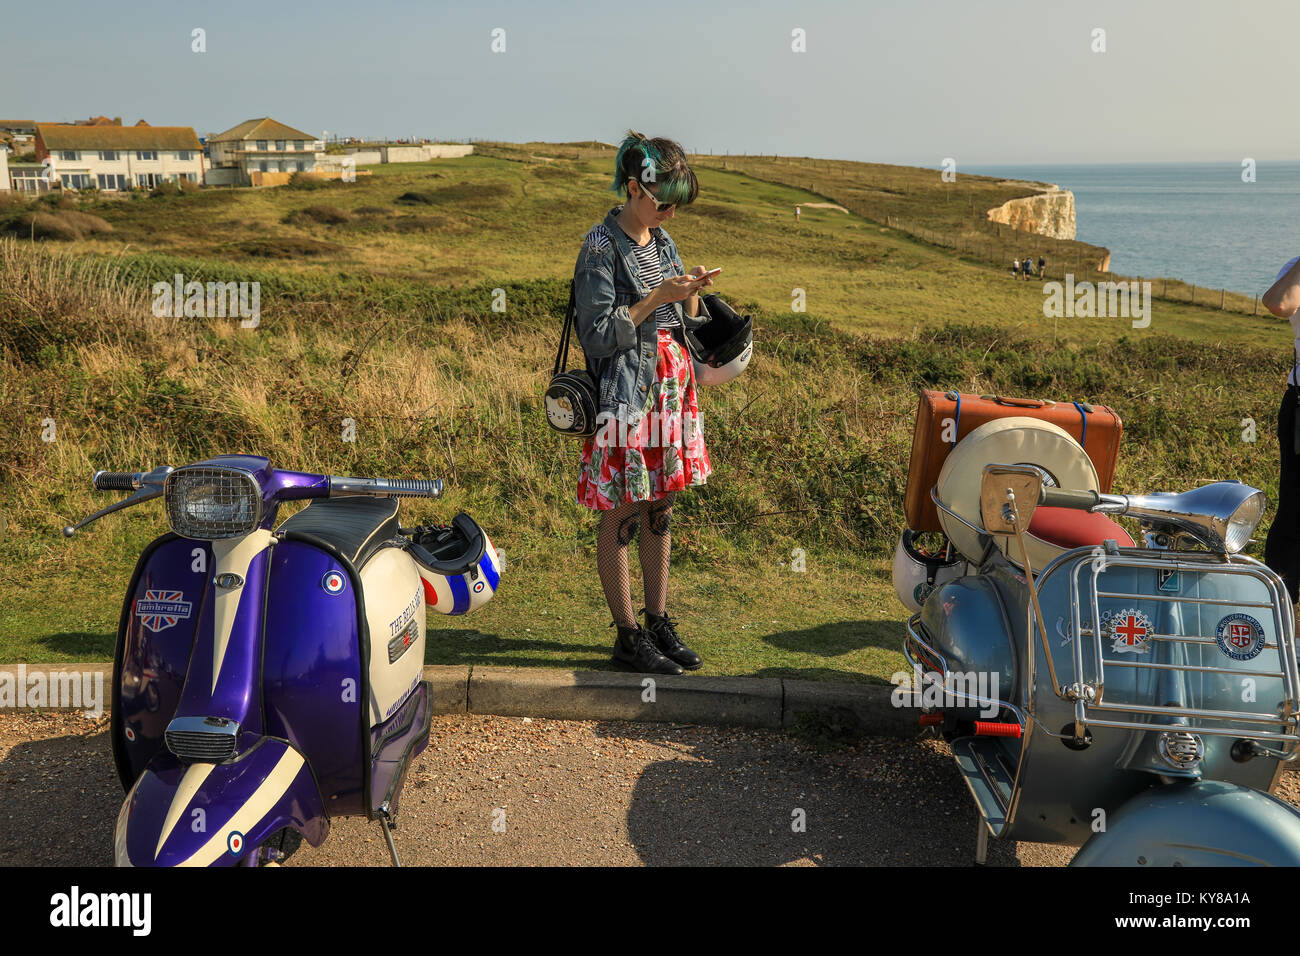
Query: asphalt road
506, 791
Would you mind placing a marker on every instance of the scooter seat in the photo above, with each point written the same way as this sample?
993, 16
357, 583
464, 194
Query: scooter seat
357, 527
1070, 528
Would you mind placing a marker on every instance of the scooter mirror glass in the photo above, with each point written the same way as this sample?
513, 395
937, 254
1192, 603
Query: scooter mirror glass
1008, 496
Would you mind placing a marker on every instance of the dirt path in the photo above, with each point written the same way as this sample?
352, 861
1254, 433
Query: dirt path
567, 793
822, 205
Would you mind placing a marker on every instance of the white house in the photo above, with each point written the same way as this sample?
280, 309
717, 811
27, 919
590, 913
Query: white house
119, 157
261, 145
4, 168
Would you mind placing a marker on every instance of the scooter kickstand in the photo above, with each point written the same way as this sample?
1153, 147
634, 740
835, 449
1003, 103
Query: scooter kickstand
981, 843
388, 825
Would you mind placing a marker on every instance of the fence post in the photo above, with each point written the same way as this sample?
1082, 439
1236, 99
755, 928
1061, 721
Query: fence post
1193, 295
1223, 295
1256, 312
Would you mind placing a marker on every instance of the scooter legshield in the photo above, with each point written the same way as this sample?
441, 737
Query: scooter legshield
1202, 823
205, 814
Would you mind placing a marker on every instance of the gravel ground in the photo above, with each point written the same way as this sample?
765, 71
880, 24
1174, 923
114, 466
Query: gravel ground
567, 793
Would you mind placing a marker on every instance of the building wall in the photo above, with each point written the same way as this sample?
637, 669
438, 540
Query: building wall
4, 169
366, 157
166, 165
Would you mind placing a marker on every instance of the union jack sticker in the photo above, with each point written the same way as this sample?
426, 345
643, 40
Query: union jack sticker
159, 610
1130, 632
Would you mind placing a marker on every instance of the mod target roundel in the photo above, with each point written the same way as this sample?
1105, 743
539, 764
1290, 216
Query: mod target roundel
235, 842
478, 587
334, 582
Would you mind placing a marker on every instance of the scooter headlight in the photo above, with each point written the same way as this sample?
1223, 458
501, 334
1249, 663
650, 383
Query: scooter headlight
1241, 525
211, 503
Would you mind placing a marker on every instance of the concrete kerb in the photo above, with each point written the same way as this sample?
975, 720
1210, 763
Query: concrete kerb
607, 695
597, 695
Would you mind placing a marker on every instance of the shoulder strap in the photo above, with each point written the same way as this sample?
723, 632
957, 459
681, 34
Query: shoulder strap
562, 356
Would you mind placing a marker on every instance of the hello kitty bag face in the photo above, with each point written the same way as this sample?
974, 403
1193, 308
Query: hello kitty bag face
571, 395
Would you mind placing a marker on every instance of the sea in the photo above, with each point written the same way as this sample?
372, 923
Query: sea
1199, 222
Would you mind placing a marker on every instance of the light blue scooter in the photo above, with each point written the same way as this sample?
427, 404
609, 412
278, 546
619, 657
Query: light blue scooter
1139, 701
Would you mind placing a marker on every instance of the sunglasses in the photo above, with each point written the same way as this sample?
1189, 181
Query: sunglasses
659, 206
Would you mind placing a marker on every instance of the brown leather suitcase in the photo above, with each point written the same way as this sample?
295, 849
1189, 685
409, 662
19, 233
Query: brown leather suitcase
945, 418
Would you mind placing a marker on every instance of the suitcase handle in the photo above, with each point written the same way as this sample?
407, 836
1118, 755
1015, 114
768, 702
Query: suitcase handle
1018, 402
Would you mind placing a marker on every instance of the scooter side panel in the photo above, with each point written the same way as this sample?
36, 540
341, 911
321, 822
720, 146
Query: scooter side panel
395, 615
205, 814
314, 685
970, 628
160, 617
1205, 823
397, 742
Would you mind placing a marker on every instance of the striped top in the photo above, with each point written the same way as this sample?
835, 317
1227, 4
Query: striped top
647, 264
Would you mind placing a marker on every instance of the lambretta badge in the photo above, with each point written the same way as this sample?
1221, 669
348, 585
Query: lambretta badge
159, 610
1129, 632
1240, 637
228, 580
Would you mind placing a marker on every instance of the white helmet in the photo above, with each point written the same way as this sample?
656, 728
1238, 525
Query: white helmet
722, 347
918, 572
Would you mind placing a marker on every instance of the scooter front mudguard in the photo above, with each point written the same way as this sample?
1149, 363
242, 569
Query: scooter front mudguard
206, 814
1201, 823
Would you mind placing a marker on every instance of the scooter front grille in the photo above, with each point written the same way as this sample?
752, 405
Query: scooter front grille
205, 739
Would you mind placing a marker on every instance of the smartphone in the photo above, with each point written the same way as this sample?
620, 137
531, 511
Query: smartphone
710, 274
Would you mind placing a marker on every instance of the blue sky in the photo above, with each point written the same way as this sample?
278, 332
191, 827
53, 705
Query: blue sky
986, 83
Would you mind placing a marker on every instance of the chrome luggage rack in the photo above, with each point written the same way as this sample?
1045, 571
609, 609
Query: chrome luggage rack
1090, 695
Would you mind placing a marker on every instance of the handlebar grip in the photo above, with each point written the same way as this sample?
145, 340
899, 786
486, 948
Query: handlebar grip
413, 488
340, 486
1063, 498
115, 480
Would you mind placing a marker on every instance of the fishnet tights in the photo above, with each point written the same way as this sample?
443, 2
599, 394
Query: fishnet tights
618, 526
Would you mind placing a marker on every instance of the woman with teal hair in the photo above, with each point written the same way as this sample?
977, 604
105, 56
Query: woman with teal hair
633, 303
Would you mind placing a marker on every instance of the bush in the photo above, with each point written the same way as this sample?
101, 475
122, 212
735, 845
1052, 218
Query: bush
64, 224
327, 215
287, 247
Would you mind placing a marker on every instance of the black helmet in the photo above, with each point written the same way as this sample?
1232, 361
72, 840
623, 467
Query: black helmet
722, 347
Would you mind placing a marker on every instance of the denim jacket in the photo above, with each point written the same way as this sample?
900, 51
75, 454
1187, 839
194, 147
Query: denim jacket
621, 357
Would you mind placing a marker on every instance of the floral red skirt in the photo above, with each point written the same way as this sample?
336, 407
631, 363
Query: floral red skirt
665, 451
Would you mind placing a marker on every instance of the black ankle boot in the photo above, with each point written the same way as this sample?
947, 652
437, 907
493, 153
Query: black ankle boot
662, 630
635, 648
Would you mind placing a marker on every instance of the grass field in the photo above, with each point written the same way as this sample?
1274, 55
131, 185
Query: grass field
376, 306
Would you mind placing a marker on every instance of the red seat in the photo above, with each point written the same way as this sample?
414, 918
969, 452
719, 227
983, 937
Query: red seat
1070, 528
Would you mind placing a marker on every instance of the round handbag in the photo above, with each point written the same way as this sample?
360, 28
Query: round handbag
571, 395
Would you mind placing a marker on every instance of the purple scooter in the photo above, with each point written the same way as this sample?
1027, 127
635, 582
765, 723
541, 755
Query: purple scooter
269, 679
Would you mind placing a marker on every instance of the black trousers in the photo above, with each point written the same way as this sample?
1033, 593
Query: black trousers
1282, 549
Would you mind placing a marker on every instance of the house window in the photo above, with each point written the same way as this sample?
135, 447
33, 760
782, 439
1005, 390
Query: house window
108, 155
261, 145
68, 155
192, 177
300, 144
183, 155
279, 144
146, 154
76, 180
262, 166
112, 181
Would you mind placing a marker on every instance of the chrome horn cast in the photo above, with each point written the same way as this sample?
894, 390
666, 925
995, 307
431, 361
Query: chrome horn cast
1181, 749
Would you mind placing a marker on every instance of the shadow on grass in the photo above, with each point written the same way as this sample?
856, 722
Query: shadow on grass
840, 637
87, 645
